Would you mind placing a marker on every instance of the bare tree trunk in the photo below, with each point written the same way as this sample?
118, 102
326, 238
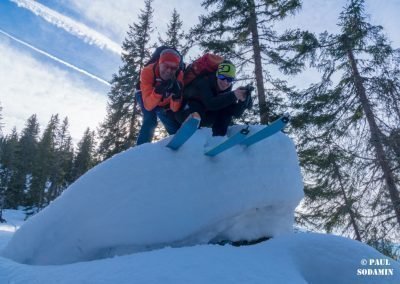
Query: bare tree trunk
264, 112
376, 138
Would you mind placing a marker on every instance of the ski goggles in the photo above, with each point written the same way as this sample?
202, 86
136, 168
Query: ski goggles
223, 77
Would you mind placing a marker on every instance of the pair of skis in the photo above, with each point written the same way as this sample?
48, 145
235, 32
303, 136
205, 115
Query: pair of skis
190, 126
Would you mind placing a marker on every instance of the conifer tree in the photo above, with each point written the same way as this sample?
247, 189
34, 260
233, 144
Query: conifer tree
2, 191
1, 120
43, 166
85, 158
60, 174
394, 143
175, 36
354, 106
25, 157
120, 129
242, 31
333, 179
66, 153
10, 197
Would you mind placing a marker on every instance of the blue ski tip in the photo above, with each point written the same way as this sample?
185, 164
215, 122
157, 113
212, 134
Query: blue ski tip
269, 130
187, 129
227, 144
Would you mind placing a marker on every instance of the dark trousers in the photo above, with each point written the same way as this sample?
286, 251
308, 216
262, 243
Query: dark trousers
218, 120
149, 122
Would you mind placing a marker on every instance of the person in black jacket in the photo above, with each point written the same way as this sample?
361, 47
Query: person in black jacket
211, 96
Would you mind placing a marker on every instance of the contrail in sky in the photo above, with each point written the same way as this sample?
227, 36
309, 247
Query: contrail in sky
56, 59
71, 26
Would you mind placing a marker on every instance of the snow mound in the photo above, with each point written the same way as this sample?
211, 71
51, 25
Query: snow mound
150, 197
294, 258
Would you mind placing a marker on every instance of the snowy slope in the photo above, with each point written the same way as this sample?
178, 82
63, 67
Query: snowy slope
292, 259
150, 197
15, 219
158, 209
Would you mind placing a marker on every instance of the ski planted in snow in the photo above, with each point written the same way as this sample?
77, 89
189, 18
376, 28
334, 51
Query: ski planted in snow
228, 143
242, 138
187, 129
267, 131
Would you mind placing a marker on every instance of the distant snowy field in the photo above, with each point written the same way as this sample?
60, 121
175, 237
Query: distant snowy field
149, 214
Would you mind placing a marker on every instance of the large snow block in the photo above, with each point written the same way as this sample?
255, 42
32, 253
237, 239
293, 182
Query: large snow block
151, 196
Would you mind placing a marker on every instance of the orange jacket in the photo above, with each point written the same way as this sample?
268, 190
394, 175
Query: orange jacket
147, 84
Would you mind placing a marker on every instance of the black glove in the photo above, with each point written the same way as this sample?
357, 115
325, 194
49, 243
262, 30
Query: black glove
176, 90
163, 87
248, 103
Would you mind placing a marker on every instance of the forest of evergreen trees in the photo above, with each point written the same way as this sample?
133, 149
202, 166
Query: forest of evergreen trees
346, 125
35, 169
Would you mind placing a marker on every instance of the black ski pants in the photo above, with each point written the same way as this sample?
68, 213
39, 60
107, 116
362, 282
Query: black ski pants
218, 120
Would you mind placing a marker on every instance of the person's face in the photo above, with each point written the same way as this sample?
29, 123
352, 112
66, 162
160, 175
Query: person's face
223, 83
167, 70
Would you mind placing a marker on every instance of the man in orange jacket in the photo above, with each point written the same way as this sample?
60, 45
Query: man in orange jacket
160, 94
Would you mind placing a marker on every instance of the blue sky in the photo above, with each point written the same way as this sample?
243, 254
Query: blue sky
58, 54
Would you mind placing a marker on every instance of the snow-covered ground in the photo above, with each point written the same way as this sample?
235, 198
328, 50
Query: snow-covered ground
291, 258
148, 215
15, 218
